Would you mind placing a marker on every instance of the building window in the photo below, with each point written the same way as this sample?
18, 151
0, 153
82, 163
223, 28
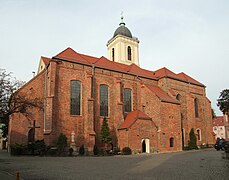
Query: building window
198, 134
127, 100
129, 53
171, 142
196, 107
75, 97
103, 100
113, 54
178, 97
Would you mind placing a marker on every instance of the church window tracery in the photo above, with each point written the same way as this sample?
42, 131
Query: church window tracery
75, 99
103, 100
127, 100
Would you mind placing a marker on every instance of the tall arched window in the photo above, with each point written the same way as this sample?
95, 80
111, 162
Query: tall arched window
198, 134
196, 107
171, 142
113, 54
129, 53
127, 100
103, 100
75, 100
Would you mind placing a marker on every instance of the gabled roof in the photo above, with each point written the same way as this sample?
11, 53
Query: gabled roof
132, 117
218, 121
45, 60
102, 62
189, 79
70, 55
164, 72
162, 95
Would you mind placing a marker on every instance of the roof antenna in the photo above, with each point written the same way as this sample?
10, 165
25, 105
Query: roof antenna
122, 23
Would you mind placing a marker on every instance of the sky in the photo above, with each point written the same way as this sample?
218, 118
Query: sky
190, 36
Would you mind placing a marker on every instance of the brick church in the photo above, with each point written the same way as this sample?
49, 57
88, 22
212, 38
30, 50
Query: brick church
148, 111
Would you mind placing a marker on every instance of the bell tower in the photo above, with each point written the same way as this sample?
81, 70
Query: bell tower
123, 47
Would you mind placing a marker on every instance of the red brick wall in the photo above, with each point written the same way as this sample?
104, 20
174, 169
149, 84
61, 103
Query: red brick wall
19, 124
86, 126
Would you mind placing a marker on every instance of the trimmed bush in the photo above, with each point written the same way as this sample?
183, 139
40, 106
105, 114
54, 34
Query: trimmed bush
37, 148
116, 151
126, 151
61, 143
192, 140
18, 149
81, 150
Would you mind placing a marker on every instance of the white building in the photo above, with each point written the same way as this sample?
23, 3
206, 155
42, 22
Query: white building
219, 127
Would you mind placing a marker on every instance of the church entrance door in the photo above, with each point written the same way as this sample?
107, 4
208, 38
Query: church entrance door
145, 146
31, 135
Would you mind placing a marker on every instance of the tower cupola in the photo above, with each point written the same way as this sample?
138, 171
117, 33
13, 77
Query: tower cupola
123, 47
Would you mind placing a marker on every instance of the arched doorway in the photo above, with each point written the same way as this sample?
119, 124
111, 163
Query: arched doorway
145, 146
31, 135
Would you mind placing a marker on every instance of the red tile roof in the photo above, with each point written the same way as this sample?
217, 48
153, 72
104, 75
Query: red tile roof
164, 72
102, 62
70, 55
189, 79
132, 117
162, 95
172, 92
218, 121
45, 60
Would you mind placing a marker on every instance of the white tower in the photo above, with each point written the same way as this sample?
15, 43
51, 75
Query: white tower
123, 47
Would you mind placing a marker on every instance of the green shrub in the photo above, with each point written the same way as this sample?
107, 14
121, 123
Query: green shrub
95, 150
126, 151
37, 148
116, 151
81, 150
18, 149
61, 143
192, 140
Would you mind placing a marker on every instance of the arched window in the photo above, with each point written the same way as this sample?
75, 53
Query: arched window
129, 53
103, 100
196, 107
171, 142
75, 99
198, 134
127, 100
113, 54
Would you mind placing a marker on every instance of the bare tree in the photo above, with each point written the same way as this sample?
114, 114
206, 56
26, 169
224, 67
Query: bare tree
12, 100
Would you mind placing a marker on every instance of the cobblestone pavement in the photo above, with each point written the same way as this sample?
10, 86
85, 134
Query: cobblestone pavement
201, 164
